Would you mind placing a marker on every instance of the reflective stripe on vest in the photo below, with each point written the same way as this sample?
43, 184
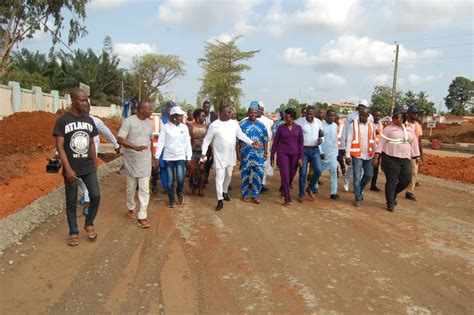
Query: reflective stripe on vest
355, 147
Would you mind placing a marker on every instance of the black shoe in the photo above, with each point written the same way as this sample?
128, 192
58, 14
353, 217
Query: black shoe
226, 196
264, 189
171, 204
336, 196
374, 188
391, 207
220, 205
180, 199
410, 196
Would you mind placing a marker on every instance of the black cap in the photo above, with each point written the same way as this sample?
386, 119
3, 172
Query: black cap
412, 109
398, 110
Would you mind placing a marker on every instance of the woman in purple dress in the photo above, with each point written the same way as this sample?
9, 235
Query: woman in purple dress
288, 143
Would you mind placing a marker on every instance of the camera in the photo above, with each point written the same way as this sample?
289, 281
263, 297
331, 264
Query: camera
53, 166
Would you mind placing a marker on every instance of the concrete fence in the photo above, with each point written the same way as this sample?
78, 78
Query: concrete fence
13, 99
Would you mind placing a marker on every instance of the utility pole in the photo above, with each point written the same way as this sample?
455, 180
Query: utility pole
394, 87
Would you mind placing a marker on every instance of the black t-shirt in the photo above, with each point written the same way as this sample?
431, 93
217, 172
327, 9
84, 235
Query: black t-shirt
78, 133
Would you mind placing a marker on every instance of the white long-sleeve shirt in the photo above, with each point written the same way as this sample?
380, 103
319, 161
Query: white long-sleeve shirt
310, 132
174, 143
223, 135
103, 129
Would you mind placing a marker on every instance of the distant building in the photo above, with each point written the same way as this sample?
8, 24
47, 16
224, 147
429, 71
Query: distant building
344, 108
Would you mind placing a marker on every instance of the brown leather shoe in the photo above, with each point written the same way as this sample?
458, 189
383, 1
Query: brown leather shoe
131, 214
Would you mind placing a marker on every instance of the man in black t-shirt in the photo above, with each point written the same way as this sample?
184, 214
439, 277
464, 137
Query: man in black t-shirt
74, 132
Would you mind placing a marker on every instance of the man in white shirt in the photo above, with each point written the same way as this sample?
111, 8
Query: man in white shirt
223, 133
312, 152
349, 119
135, 136
360, 149
330, 148
175, 144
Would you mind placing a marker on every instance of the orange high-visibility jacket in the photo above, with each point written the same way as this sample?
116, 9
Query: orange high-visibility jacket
156, 121
355, 146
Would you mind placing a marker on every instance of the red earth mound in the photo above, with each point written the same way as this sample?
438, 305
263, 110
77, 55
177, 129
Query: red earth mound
26, 142
454, 168
452, 133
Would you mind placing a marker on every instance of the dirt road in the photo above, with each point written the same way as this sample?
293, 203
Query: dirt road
316, 257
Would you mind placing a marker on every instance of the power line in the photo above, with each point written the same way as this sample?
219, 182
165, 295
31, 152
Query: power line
443, 46
49, 30
434, 58
436, 37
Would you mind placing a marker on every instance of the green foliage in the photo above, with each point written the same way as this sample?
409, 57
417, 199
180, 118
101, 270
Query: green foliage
20, 19
155, 71
223, 72
27, 79
459, 92
63, 70
425, 107
382, 99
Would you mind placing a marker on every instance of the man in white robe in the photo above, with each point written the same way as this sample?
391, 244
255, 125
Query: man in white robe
223, 134
268, 123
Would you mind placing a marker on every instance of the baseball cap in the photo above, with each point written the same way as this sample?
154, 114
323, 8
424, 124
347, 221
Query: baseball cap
176, 111
413, 109
364, 103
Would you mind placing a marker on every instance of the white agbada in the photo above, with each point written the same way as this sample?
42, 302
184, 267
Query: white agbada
223, 135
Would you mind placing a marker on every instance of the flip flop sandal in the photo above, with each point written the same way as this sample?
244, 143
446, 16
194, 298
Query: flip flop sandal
73, 240
143, 224
91, 234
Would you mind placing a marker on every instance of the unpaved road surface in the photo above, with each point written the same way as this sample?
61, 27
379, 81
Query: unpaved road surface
317, 257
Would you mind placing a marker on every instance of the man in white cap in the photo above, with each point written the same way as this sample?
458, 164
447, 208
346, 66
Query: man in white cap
349, 119
223, 133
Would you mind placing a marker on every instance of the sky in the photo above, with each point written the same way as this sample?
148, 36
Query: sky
310, 50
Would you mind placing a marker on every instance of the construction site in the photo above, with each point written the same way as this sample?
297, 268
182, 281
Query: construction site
320, 256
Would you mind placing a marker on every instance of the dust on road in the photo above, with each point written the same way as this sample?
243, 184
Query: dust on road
316, 257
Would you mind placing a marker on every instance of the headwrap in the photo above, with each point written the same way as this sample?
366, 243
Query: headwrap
254, 105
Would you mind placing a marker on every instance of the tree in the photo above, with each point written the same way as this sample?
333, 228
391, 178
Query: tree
409, 98
155, 71
426, 107
223, 71
20, 19
382, 99
459, 92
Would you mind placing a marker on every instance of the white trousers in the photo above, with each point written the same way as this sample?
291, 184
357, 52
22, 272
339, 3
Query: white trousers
143, 194
223, 177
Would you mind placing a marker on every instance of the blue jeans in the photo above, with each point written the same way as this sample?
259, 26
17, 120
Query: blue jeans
361, 181
173, 167
331, 165
311, 155
92, 184
163, 173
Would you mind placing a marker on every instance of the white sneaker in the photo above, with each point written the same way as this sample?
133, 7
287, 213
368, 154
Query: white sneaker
346, 186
